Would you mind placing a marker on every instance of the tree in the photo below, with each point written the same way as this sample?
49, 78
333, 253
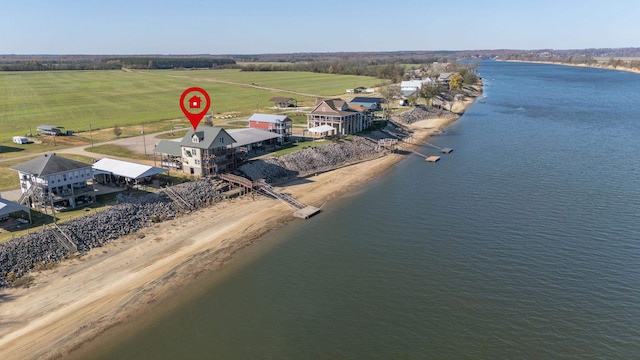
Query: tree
456, 81
117, 131
389, 92
429, 91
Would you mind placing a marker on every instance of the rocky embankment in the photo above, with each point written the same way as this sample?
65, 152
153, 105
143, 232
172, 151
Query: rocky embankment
311, 160
19, 256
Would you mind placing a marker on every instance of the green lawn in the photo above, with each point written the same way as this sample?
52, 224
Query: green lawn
120, 151
74, 99
298, 146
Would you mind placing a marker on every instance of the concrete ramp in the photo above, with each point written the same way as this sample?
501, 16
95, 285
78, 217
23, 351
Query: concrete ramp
306, 212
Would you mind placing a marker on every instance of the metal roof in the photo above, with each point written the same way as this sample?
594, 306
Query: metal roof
126, 169
48, 127
321, 129
8, 207
171, 147
48, 164
248, 136
208, 138
367, 100
269, 118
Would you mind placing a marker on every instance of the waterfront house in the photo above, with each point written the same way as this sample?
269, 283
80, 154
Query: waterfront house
278, 124
54, 180
337, 113
412, 87
203, 152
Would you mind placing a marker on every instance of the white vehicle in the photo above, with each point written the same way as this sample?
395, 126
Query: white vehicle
20, 140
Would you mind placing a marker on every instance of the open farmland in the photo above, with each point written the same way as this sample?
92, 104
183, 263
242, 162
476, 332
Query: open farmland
74, 98
302, 82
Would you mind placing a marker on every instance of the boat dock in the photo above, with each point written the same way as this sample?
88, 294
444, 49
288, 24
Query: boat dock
432, 158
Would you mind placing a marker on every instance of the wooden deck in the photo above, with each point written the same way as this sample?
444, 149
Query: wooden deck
433, 158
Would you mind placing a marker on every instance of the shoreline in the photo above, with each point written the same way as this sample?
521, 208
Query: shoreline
81, 299
603, 67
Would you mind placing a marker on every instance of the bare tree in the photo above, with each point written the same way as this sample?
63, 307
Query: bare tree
389, 92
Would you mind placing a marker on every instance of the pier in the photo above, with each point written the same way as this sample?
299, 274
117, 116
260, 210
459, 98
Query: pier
301, 210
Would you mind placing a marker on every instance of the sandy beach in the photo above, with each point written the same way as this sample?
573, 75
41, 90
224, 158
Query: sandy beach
82, 298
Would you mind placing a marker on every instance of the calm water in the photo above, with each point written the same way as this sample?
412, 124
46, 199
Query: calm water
522, 243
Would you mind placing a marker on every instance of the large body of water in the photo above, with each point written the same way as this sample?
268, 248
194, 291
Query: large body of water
522, 243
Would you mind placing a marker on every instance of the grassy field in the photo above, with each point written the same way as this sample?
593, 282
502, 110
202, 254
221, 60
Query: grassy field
304, 82
74, 99
115, 150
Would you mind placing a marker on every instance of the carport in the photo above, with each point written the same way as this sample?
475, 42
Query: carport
8, 207
124, 172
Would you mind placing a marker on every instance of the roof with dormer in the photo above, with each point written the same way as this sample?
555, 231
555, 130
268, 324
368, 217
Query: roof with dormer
207, 137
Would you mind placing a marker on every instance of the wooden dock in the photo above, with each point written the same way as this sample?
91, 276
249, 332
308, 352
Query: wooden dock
301, 210
446, 150
433, 159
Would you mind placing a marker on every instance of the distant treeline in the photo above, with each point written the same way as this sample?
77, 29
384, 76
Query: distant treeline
382, 64
171, 63
35, 65
392, 71
85, 62
632, 61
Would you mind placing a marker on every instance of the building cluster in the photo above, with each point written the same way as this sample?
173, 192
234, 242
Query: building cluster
61, 183
212, 150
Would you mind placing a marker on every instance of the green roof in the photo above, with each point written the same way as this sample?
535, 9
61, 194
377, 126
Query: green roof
208, 138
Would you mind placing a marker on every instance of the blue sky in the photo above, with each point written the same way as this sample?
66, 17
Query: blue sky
279, 26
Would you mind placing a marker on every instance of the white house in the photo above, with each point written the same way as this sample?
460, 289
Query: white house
411, 87
54, 179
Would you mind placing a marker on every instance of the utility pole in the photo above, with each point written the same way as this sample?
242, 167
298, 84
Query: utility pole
144, 141
91, 134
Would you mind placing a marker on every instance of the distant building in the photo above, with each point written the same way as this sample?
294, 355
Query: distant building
344, 118
373, 103
283, 102
445, 78
411, 87
203, 152
50, 130
54, 179
279, 124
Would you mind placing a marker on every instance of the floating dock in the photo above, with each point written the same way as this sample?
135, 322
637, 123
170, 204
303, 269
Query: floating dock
446, 150
433, 158
306, 212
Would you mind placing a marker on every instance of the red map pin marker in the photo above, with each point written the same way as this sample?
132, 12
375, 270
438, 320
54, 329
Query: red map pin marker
195, 102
